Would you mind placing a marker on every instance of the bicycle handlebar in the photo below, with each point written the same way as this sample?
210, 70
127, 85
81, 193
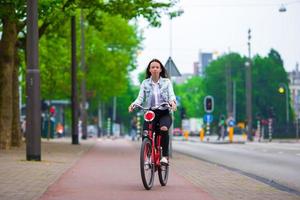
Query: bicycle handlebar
154, 107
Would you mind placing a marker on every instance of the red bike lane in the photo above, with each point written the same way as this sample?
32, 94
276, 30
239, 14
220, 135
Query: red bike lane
110, 171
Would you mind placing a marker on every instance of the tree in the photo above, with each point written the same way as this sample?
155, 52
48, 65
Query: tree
51, 15
215, 82
267, 74
191, 95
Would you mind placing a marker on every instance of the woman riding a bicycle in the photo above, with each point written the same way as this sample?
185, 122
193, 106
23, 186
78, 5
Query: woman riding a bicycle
155, 90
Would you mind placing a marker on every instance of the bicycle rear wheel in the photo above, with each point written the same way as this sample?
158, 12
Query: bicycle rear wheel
163, 174
146, 164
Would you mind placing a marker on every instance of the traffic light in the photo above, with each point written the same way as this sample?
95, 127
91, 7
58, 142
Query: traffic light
281, 90
208, 104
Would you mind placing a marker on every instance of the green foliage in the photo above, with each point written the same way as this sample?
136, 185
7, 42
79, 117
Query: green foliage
267, 74
124, 100
191, 95
149, 9
110, 55
55, 73
215, 82
142, 76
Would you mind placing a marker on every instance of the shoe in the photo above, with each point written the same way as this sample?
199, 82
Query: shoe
164, 161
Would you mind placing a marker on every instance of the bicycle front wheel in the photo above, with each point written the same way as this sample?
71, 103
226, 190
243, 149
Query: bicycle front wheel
146, 164
163, 174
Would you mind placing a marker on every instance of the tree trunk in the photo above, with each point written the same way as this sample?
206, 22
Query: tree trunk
7, 55
16, 137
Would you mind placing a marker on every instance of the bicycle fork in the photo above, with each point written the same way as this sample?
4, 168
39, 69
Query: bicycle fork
156, 151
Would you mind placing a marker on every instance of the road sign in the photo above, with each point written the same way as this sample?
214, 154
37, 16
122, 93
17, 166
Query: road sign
171, 68
208, 118
231, 122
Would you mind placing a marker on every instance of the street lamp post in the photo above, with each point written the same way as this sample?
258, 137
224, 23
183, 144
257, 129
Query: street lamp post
33, 108
75, 139
249, 89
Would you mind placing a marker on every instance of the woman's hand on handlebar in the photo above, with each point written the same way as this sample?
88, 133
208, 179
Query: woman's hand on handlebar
173, 106
131, 108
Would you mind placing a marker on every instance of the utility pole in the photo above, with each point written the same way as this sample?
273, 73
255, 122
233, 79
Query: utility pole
234, 100
229, 107
74, 100
114, 117
83, 82
249, 89
33, 105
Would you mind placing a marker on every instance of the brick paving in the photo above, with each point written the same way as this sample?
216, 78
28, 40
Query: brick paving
27, 180
224, 184
21, 179
110, 171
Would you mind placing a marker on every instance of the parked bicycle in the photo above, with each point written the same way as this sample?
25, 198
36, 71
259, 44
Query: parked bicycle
151, 152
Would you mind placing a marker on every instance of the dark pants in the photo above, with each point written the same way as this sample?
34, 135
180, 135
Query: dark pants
162, 118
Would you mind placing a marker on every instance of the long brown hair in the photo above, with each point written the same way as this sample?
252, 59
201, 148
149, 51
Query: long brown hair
163, 72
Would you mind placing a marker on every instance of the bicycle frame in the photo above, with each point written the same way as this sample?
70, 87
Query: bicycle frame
155, 148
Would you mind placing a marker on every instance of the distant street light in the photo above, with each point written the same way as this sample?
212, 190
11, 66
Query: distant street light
283, 88
282, 8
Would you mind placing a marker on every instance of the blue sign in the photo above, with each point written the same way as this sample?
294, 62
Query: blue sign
208, 118
231, 123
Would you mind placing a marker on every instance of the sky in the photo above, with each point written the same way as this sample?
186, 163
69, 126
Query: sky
221, 26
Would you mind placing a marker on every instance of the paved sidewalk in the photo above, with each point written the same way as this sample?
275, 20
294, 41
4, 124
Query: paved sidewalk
95, 170
111, 171
224, 184
27, 180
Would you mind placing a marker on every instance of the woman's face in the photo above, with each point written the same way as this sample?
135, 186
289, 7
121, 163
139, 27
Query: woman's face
155, 69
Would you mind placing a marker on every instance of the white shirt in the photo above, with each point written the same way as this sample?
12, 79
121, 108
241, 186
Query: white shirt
156, 94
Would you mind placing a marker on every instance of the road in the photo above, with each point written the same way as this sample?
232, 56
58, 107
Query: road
271, 162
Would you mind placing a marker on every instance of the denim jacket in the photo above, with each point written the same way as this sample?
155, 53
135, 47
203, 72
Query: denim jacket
146, 89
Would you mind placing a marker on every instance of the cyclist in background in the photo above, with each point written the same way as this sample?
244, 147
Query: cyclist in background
155, 90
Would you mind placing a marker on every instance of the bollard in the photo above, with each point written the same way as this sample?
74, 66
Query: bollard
262, 133
108, 126
207, 131
258, 131
244, 136
270, 129
186, 135
231, 129
202, 134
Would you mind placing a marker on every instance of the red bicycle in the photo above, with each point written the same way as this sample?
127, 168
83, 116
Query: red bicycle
151, 152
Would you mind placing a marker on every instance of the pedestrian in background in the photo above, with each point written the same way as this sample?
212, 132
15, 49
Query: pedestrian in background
133, 126
221, 126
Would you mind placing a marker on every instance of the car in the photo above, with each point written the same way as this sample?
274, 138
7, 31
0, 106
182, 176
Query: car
92, 130
177, 132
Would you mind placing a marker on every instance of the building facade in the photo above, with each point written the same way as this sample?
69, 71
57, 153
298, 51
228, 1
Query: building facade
294, 86
204, 58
